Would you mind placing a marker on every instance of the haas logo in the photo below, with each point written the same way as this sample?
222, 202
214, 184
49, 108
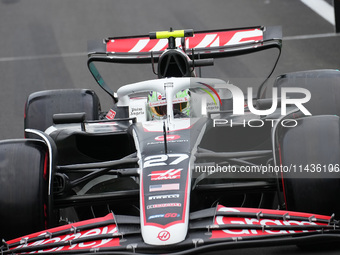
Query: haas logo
166, 174
163, 235
168, 138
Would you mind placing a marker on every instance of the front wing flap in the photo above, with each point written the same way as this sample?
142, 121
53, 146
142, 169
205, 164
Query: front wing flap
211, 229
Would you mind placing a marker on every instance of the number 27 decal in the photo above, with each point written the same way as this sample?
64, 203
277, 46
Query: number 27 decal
160, 160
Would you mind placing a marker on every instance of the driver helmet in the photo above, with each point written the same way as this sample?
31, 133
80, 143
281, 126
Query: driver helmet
157, 105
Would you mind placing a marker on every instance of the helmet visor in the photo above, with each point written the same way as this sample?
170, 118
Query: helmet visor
161, 111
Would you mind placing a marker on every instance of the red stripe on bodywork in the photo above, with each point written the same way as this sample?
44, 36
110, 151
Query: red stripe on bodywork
283, 183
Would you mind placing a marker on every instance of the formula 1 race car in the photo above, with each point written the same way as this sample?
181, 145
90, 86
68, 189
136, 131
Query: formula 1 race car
180, 164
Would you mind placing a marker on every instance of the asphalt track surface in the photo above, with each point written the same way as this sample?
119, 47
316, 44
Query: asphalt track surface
43, 44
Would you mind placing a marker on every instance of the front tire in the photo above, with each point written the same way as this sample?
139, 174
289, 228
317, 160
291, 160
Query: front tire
24, 186
310, 150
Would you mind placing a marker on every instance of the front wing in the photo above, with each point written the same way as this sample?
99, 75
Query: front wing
211, 229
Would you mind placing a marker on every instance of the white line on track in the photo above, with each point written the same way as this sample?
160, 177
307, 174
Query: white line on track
75, 54
321, 7
315, 36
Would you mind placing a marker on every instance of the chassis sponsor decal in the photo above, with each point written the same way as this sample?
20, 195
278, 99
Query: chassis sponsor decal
225, 220
170, 174
66, 240
166, 215
164, 205
164, 187
167, 196
168, 137
111, 115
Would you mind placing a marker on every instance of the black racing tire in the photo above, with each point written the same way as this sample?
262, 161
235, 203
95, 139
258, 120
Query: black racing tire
24, 183
315, 140
324, 86
311, 151
41, 106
